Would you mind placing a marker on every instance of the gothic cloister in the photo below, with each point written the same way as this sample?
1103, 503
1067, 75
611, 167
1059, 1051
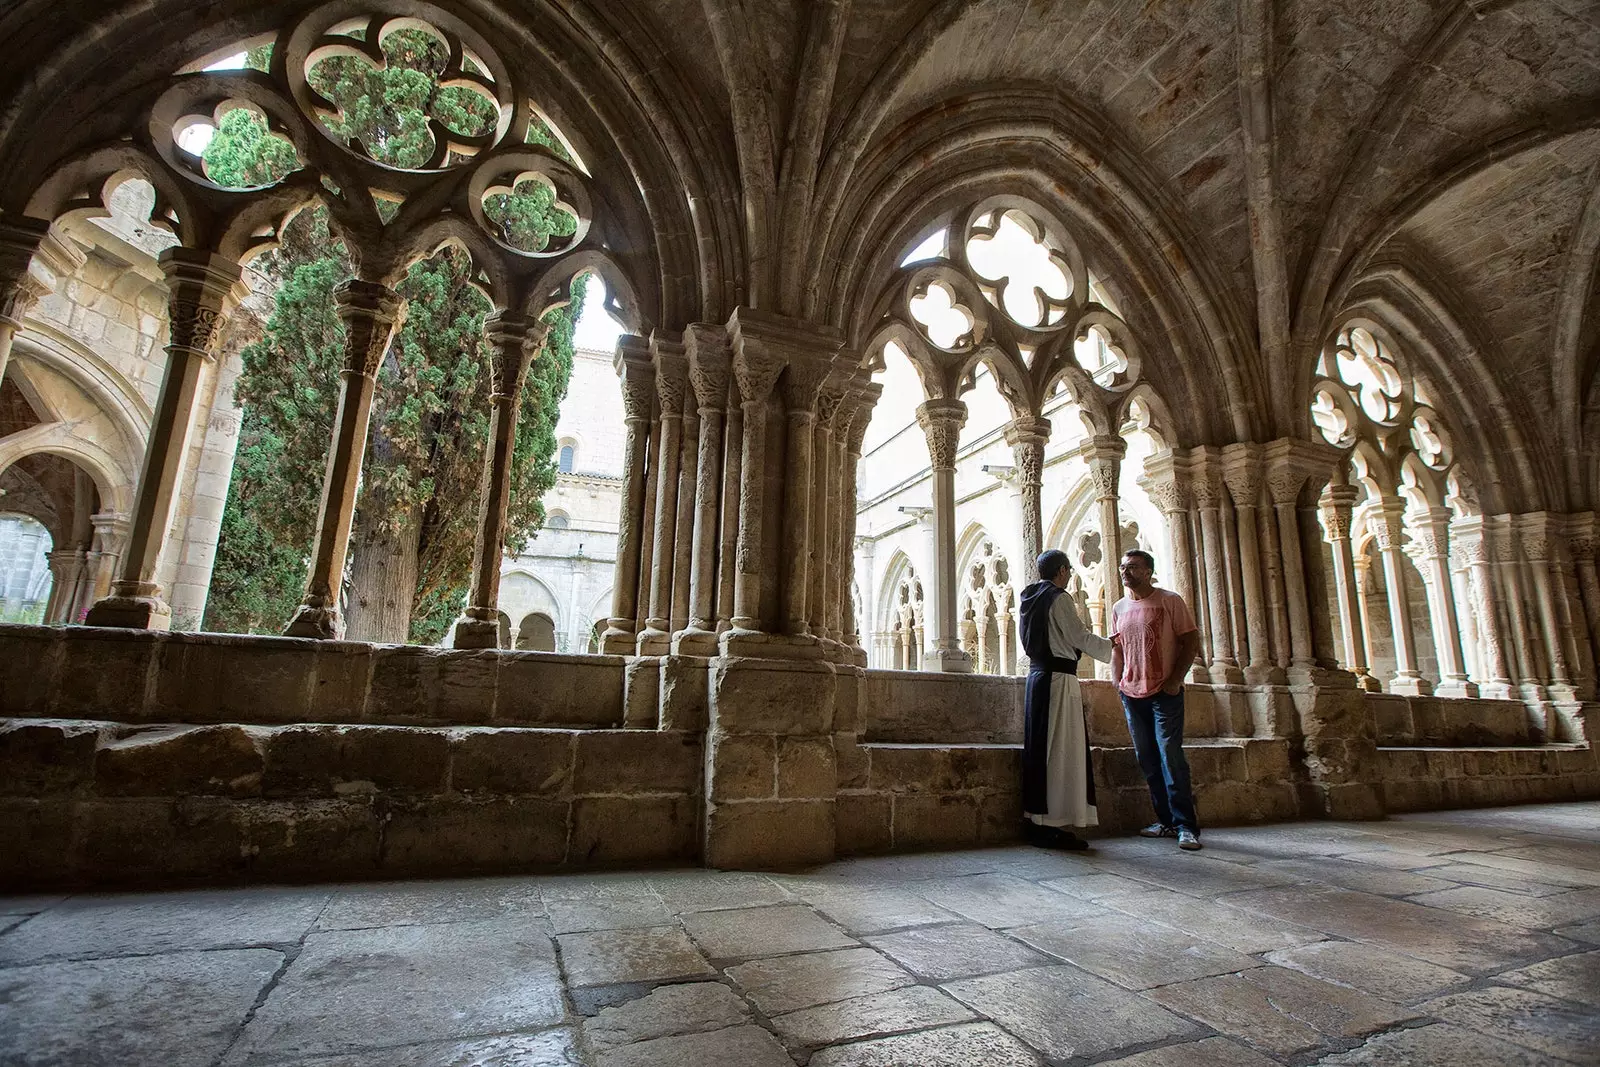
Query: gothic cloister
1302, 298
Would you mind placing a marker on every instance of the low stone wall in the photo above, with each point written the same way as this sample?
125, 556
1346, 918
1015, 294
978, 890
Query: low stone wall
1427, 779
89, 801
1454, 722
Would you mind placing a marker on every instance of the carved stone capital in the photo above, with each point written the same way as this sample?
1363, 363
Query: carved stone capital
514, 344
19, 298
1167, 481
672, 373
1294, 466
941, 422
1581, 536
1205, 467
371, 314
1243, 472
1537, 534
638, 376
1103, 455
1468, 547
710, 364
1387, 523
863, 399
200, 286
20, 238
765, 344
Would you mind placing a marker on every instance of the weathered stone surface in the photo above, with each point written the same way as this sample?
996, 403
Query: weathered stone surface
103, 674
460, 979
1571, 977
687, 891
1442, 1043
863, 910
1133, 953
943, 768
1064, 1012
941, 953
30, 670
806, 767
228, 679
1538, 913
609, 957
629, 829
512, 761
998, 901
789, 983
42, 756
548, 1048
1218, 923
666, 1011
950, 1046
1358, 876
773, 696
179, 1009
336, 760
743, 766
180, 760
536, 688
96, 925
897, 1011
685, 693
405, 684
1544, 1024
740, 1046
864, 822
373, 904
769, 833
442, 834
922, 822
752, 932
1212, 1052
636, 761
468, 683
910, 707
1384, 974
1279, 1011
577, 916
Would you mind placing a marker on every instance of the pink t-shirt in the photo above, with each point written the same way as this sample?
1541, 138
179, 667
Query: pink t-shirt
1147, 631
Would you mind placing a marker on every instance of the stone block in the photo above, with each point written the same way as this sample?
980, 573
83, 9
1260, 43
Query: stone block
936, 769
30, 662
1201, 716
851, 684
615, 830
1000, 817
205, 678
464, 833
35, 841
935, 822
105, 673
181, 761
769, 833
641, 694
512, 760
916, 707
1392, 719
1117, 767
161, 838
543, 689
685, 693
852, 763
806, 767
1103, 715
863, 823
467, 686
772, 696
1401, 764
405, 685
1354, 800
1266, 760
44, 756
742, 767
636, 761
330, 760
311, 839
1218, 762
341, 677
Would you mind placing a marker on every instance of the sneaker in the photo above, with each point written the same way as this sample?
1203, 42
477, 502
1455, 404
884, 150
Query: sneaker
1189, 841
1158, 829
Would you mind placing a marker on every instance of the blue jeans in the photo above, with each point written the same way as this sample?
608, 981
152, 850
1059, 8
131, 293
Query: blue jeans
1156, 725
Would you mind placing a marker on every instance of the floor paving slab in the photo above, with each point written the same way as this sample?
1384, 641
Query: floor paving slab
1459, 942
711, 891
1570, 977
1195, 875
1064, 1012
1365, 878
1097, 887
1524, 1017
1384, 974
1211, 1052
868, 911
878, 1015
1441, 1045
122, 924
1535, 870
1134, 953
1280, 1011
181, 1009
1213, 921
609, 957
967, 1045
760, 932
409, 903
1584, 857
621, 913
548, 1048
354, 990
1588, 932
942, 953
31, 904
667, 1011
1397, 861
789, 983
1494, 878
1536, 913
737, 1046
1002, 900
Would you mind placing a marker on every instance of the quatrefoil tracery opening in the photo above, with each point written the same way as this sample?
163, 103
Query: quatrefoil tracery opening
1026, 277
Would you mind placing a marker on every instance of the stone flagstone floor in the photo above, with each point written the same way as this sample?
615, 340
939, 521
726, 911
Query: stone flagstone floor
1454, 938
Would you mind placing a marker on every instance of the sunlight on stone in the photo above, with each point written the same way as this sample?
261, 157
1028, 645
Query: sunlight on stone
233, 62
595, 328
945, 321
932, 248
1014, 254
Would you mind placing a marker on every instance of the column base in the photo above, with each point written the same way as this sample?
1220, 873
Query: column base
694, 641
653, 641
1265, 674
1411, 685
1502, 690
129, 610
1330, 678
1458, 688
475, 633
1367, 682
1225, 674
321, 624
762, 645
947, 660
619, 638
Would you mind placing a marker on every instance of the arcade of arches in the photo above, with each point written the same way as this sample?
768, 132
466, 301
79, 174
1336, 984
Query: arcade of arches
1301, 298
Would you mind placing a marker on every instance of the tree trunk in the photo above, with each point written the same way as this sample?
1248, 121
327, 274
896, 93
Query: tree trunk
383, 579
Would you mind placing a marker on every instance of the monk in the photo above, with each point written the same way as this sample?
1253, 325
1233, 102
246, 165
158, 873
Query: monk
1057, 777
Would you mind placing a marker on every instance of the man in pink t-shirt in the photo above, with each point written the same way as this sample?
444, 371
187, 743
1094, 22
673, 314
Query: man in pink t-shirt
1154, 644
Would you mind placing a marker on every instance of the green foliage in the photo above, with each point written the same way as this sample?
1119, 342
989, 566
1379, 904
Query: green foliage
243, 154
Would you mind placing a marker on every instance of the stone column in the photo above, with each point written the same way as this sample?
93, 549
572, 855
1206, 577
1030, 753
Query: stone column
1581, 531
372, 313
513, 345
638, 399
1529, 676
838, 540
1286, 477
1537, 533
824, 508
708, 374
200, 287
66, 565
684, 524
672, 387
865, 399
756, 366
802, 385
20, 238
1027, 438
728, 530
1243, 471
1166, 481
111, 540
941, 422
1338, 506
1388, 530
1364, 604
1432, 534
1102, 454
87, 590
1207, 485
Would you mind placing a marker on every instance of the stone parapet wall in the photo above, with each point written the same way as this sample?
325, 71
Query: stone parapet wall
89, 801
1427, 779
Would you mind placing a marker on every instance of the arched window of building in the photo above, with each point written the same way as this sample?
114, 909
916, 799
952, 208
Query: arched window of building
557, 520
568, 455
